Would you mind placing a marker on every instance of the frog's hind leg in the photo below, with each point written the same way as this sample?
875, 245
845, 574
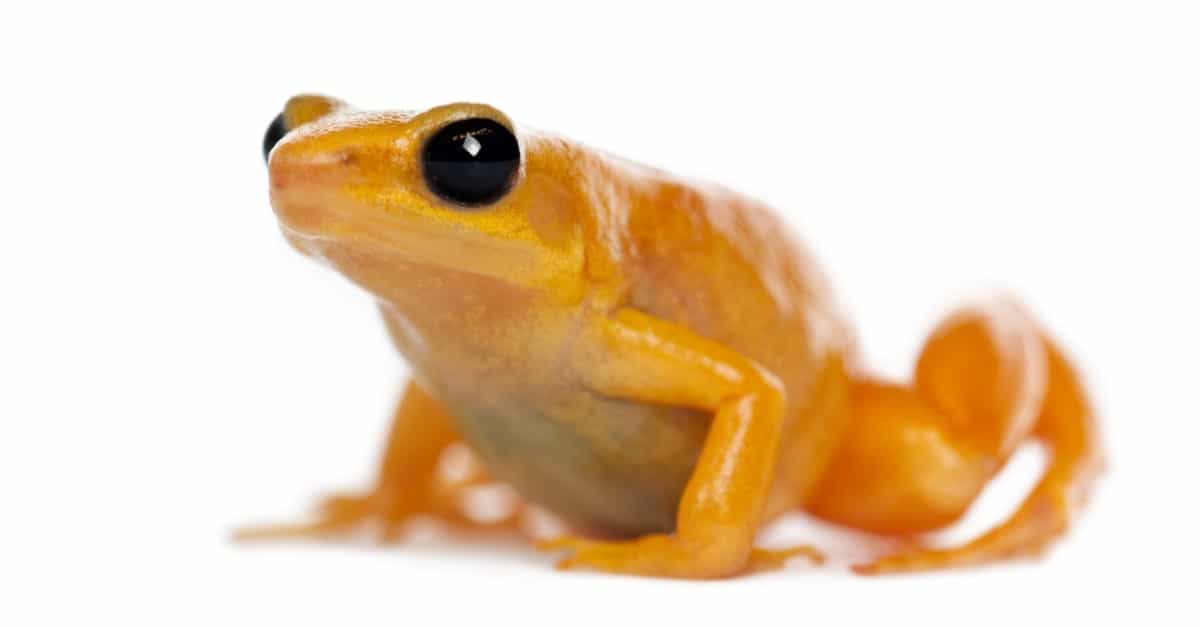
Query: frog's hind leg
916, 456
408, 484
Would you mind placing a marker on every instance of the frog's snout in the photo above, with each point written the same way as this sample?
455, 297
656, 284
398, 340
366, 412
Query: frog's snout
307, 178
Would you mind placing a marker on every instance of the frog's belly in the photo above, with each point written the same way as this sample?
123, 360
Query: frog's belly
607, 465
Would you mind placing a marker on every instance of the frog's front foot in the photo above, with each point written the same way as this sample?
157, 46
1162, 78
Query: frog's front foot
385, 514
344, 514
661, 555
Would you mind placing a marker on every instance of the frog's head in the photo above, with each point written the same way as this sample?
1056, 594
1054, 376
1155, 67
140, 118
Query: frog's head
455, 189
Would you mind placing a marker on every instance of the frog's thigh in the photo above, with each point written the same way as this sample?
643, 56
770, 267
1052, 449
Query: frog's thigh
637, 357
916, 457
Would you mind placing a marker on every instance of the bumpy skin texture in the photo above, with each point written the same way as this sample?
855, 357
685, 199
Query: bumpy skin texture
656, 361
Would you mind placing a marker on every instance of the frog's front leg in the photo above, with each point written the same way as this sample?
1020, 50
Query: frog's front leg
407, 485
634, 356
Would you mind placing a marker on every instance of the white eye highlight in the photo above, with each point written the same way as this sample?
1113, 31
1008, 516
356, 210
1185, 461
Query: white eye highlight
472, 145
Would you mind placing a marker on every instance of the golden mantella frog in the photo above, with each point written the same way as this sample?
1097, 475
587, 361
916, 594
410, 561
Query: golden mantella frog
652, 359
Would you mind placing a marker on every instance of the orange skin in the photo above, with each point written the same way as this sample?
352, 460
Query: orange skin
657, 362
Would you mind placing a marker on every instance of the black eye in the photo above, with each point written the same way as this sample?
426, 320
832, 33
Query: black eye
471, 162
275, 132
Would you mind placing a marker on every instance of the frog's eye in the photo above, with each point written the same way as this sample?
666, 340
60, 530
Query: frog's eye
275, 132
471, 162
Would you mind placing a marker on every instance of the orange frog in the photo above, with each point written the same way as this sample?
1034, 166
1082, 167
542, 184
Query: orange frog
653, 360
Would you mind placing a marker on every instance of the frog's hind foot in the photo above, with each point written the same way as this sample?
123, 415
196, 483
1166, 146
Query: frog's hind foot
1041, 519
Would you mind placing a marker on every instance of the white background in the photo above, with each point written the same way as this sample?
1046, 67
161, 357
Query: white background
170, 369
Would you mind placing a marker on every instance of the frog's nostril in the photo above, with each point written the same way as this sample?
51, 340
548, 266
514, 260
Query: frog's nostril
275, 132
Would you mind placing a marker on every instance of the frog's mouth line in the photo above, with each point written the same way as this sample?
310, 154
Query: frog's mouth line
415, 243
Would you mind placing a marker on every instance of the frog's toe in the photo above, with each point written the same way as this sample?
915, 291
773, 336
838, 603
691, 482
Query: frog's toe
659, 555
337, 515
763, 560
287, 531
614, 557
385, 518
909, 561
570, 545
